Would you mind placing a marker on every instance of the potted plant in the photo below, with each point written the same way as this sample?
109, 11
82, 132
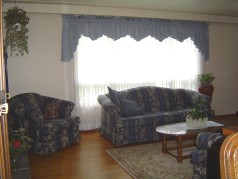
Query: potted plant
19, 144
16, 22
205, 80
196, 118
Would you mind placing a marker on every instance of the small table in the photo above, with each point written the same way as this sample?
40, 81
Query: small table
181, 133
229, 130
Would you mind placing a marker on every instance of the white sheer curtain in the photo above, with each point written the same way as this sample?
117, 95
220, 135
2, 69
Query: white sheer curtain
127, 63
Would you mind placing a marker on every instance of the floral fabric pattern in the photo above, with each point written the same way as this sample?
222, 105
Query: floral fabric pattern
204, 142
52, 111
27, 111
161, 106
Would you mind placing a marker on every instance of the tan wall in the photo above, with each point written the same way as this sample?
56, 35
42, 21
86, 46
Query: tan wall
42, 71
223, 63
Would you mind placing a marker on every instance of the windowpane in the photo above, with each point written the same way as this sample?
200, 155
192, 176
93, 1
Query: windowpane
127, 63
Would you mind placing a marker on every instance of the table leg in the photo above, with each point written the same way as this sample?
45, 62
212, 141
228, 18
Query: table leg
164, 144
179, 148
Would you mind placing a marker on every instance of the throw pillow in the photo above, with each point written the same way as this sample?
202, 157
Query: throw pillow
52, 111
113, 94
130, 108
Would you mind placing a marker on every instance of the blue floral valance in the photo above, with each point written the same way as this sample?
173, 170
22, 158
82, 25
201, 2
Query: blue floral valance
116, 27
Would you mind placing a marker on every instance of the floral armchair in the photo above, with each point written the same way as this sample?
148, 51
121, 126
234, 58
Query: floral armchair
46, 120
205, 158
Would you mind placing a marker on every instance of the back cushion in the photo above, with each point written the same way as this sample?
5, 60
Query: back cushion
154, 99
56, 108
164, 100
183, 99
140, 95
28, 100
52, 111
19, 105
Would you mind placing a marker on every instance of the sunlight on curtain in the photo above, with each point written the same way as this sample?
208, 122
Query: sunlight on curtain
127, 63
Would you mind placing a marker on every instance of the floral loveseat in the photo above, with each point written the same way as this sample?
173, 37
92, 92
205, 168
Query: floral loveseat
131, 116
46, 120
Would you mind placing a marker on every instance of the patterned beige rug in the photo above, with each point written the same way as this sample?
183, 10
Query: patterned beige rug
148, 162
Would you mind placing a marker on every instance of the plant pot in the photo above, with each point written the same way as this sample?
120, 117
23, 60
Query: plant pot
19, 162
206, 90
196, 123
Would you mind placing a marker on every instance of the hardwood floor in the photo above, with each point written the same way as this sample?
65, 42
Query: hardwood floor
88, 159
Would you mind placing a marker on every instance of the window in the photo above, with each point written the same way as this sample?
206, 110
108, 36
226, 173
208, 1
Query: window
127, 63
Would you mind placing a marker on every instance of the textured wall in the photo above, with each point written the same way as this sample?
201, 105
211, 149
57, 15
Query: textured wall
42, 71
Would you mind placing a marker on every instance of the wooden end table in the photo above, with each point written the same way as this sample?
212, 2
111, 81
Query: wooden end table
229, 130
180, 133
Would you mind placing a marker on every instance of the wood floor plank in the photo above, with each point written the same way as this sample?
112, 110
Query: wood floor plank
87, 159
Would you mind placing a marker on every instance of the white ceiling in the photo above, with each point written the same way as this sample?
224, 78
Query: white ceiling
214, 7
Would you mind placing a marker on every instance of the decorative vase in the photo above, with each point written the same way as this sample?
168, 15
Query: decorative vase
196, 123
17, 161
206, 90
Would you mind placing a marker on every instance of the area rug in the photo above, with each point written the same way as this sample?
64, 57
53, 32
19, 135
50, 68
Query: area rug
148, 162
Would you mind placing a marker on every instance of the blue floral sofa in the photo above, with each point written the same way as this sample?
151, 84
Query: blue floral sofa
205, 158
131, 116
46, 120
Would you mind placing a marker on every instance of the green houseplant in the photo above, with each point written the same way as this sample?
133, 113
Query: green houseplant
205, 83
19, 143
206, 78
196, 118
196, 114
16, 22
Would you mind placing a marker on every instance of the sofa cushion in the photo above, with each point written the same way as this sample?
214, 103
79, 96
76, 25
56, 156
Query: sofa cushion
52, 111
156, 99
113, 94
65, 107
130, 108
154, 119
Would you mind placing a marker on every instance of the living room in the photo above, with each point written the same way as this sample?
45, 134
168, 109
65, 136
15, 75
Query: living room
42, 70
47, 74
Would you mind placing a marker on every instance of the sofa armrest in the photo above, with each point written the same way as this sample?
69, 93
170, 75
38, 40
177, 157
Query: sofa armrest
196, 97
74, 118
108, 106
205, 140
